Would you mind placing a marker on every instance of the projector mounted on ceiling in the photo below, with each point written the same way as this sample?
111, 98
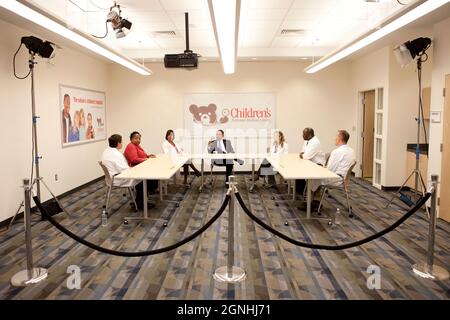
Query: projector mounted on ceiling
187, 60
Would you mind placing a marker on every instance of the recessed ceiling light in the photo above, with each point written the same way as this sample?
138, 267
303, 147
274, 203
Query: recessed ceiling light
253, 58
304, 58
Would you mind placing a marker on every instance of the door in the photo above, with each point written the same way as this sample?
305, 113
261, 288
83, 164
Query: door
444, 208
368, 133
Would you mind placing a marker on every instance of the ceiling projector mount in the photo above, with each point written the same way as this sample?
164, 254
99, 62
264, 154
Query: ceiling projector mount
188, 59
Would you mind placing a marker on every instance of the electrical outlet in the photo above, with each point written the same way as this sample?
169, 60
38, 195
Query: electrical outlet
56, 177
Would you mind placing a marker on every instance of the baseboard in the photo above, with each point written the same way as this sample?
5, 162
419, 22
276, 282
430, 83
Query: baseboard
6, 222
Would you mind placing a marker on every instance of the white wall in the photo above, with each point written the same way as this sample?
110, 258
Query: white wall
441, 67
74, 166
153, 104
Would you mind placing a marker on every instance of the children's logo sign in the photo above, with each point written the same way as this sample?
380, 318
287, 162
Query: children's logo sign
82, 114
229, 111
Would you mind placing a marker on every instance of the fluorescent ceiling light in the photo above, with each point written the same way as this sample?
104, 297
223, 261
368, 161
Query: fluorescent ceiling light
225, 20
410, 16
43, 21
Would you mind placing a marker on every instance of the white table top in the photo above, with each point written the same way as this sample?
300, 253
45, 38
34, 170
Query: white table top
163, 167
212, 156
290, 166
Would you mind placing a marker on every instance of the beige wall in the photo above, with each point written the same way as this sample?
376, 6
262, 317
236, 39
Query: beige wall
153, 104
402, 112
368, 73
381, 70
74, 166
441, 67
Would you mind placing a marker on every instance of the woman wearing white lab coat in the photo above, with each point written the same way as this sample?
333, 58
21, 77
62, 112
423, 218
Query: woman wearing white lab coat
277, 148
171, 148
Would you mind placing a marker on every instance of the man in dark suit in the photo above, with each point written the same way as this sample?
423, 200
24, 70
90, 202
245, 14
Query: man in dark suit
66, 120
221, 145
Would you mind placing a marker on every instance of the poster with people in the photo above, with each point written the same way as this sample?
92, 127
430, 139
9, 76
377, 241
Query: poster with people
83, 115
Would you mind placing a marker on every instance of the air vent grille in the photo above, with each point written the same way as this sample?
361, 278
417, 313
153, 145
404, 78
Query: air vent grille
292, 32
164, 34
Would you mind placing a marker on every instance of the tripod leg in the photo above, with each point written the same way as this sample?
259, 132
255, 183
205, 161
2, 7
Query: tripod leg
54, 197
423, 189
15, 215
399, 189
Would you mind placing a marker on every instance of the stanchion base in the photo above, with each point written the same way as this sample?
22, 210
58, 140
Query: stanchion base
237, 275
438, 273
20, 279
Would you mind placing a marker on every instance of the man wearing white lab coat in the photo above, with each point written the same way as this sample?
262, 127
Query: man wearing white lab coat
340, 161
115, 162
312, 151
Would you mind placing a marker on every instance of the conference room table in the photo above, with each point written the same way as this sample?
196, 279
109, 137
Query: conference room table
292, 167
228, 156
162, 167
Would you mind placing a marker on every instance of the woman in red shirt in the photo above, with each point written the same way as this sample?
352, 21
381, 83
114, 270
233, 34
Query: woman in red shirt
135, 155
134, 152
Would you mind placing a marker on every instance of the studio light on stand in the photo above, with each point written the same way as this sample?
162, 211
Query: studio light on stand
117, 22
405, 54
44, 49
31, 275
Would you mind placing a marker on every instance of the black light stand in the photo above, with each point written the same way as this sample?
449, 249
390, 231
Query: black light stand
418, 178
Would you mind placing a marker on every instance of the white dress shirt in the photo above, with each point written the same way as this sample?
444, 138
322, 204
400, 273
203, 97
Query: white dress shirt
340, 161
313, 151
115, 162
221, 146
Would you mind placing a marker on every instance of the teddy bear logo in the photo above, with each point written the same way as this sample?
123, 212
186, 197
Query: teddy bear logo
206, 115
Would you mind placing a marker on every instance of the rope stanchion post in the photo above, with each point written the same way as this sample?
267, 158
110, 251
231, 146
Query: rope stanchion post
31, 275
428, 269
230, 273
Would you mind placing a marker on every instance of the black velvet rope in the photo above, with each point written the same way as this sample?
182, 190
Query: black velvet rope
333, 247
131, 254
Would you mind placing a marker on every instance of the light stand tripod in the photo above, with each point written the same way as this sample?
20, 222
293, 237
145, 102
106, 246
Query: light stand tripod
35, 154
418, 178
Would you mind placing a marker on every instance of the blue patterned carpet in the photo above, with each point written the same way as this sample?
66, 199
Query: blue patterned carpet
275, 269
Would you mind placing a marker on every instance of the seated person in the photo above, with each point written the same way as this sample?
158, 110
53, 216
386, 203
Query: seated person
312, 151
340, 161
171, 148
221, 145
135, 155
115, 162
278, 147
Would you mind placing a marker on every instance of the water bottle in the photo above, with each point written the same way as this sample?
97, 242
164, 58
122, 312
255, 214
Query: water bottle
104, 218
338, 212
